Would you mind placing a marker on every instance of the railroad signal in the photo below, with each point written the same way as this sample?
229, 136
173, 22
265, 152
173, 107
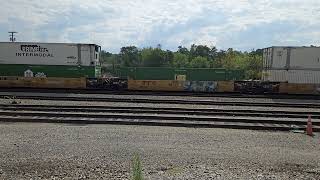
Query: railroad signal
11, 36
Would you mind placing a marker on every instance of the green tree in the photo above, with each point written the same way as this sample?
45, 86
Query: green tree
251, 62
169, 55
218, 59
183, 50
199, 62
153, 57
198, 56
203, 51
229, 59
253, 67
200, 50
130, 56
180, 60
104, 56
258, 52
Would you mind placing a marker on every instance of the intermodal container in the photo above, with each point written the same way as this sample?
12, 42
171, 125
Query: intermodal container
275, 75
304, 76
35, 53
292, 76
291, 58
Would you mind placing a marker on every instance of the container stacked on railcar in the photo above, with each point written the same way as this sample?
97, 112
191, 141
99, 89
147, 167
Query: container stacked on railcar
52, 65
299, 65
68, 65
30, 59
297, 69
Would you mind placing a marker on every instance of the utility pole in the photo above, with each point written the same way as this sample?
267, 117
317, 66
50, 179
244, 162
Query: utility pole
12, 38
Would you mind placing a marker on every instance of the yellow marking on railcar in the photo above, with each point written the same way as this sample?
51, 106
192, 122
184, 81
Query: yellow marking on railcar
225, 86
35, 82
292, 88
156, 85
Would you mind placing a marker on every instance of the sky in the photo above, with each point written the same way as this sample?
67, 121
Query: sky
240, 24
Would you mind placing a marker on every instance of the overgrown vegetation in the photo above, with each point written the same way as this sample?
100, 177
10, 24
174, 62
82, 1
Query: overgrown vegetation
197, 56
137, 168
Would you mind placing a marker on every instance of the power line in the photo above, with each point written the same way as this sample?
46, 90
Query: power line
12, 38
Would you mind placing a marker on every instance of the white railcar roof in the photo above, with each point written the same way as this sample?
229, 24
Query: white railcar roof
292, 47
49, 43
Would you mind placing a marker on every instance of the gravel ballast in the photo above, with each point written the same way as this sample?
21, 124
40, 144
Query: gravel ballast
57, 151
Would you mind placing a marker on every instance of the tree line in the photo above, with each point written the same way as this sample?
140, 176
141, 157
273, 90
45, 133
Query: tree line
197, 56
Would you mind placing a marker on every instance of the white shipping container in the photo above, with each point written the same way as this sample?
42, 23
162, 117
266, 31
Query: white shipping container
292, 76
292, 58
49, 53
304, 77
275, 75
305, 58
275, 58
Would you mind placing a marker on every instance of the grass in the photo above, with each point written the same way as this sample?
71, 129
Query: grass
137, 168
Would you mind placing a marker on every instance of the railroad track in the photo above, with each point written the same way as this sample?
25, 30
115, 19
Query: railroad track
75, 97
181, 117
164, 93
189, 111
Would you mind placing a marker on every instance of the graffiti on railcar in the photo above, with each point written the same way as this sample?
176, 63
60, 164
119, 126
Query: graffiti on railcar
200, 86
257, 87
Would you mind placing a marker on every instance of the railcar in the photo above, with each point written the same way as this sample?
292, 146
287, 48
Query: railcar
286, 70
295, 69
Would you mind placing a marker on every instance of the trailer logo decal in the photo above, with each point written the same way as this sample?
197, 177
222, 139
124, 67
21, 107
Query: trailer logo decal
28, 73
34, 51
41, 75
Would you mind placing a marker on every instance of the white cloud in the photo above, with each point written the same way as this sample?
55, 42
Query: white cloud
33, 12
125, 22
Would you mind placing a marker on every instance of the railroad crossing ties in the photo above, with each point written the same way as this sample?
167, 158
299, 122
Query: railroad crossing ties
160, 116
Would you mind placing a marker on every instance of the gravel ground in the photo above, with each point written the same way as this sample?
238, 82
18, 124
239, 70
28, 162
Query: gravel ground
226, 99
56, 151
123, 104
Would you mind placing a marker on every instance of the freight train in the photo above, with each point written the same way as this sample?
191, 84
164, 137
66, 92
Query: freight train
289, 70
